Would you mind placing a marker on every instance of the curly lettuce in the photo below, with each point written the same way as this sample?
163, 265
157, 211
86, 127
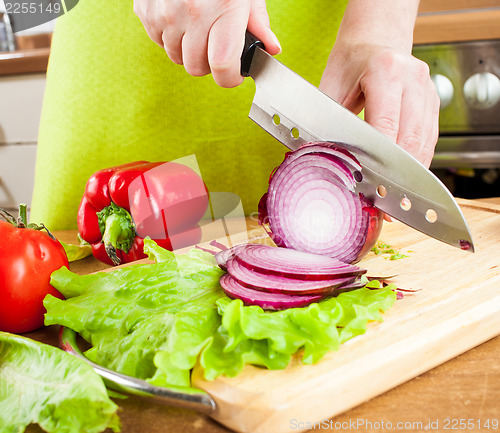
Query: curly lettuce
157, 321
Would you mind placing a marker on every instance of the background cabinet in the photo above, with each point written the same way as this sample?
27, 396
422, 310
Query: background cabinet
21, 99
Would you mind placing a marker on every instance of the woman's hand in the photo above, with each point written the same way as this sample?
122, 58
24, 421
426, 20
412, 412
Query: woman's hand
207, 36
371, 67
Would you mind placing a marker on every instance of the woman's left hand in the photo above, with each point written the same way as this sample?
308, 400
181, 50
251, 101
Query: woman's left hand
369, 69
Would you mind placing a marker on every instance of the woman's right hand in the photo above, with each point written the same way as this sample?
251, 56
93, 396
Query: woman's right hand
207, 36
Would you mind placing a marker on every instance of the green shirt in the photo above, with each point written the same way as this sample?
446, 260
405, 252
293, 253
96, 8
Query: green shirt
113, 96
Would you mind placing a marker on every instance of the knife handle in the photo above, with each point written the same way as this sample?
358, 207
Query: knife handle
251, 42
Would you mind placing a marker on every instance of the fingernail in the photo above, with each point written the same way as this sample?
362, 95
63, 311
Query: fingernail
275, 40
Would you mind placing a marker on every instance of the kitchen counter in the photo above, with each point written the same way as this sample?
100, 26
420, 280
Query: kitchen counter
24, 61
464, 388
32, 55
441, 21
458, 26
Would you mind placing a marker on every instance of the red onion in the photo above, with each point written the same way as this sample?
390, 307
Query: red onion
267, 301
223, 256
283, 284
292, 263
278, 278
311, 205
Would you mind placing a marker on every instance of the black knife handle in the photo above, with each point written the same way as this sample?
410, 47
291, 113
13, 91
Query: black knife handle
251, 42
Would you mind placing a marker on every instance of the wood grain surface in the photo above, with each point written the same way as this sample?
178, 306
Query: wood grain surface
473, 25
432, 6
362, 386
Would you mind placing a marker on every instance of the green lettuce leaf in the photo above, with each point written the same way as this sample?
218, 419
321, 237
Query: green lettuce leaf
76, 252
270, 339
157, 321
45, 385
130, 314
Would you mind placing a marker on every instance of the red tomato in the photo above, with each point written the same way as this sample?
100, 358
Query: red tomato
27, 258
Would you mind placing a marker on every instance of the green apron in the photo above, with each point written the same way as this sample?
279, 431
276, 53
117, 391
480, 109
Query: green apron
113, 96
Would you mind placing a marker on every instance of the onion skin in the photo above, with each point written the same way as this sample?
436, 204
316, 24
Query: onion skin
357, 221
376, 220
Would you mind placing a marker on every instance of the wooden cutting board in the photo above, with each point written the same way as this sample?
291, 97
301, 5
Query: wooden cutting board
456, 307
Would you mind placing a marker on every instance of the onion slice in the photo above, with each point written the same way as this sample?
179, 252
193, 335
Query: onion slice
276, 278
222, 257
267, 301
311, 204
292, 263
283, 284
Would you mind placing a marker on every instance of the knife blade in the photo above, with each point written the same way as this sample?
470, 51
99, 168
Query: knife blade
295, 112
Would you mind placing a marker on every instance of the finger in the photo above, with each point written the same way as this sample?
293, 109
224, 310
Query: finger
194, 50
432, 130
259, 26
411, 124
382, 103
142, 10
353, 101
154, 35
173, 30
225, 45
415, 105
172, 44
337, 83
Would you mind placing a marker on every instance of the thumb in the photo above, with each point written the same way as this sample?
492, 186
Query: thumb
259, 26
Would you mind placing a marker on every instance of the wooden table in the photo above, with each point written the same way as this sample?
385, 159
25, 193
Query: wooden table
466, 388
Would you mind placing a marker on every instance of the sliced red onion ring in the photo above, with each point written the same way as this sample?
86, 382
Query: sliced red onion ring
292, 263
282, 284
311, 205
265, 300
324, 148
317, 221
222, 257
215, 243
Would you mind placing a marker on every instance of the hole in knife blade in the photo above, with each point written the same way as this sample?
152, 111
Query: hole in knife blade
295, 133
381, 191
276, 120
405, 204
358, 176
431, 215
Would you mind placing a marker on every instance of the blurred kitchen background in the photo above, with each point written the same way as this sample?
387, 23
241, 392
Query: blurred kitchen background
459, 39
23, 64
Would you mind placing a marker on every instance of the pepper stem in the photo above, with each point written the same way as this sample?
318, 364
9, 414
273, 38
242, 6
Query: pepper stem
118, 230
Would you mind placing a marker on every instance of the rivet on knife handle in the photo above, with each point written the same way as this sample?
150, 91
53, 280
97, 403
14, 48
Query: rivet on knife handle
251, 42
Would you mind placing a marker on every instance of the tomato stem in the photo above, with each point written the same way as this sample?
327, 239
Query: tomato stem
7, 216
23, 215
22, 220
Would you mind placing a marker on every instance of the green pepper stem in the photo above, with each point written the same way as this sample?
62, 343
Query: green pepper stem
118, 231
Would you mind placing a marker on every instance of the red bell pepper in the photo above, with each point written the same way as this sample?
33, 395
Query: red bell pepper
122, 205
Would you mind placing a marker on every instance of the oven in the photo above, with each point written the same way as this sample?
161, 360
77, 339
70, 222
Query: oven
467, 78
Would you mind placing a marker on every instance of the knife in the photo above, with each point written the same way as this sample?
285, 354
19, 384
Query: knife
295, 112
